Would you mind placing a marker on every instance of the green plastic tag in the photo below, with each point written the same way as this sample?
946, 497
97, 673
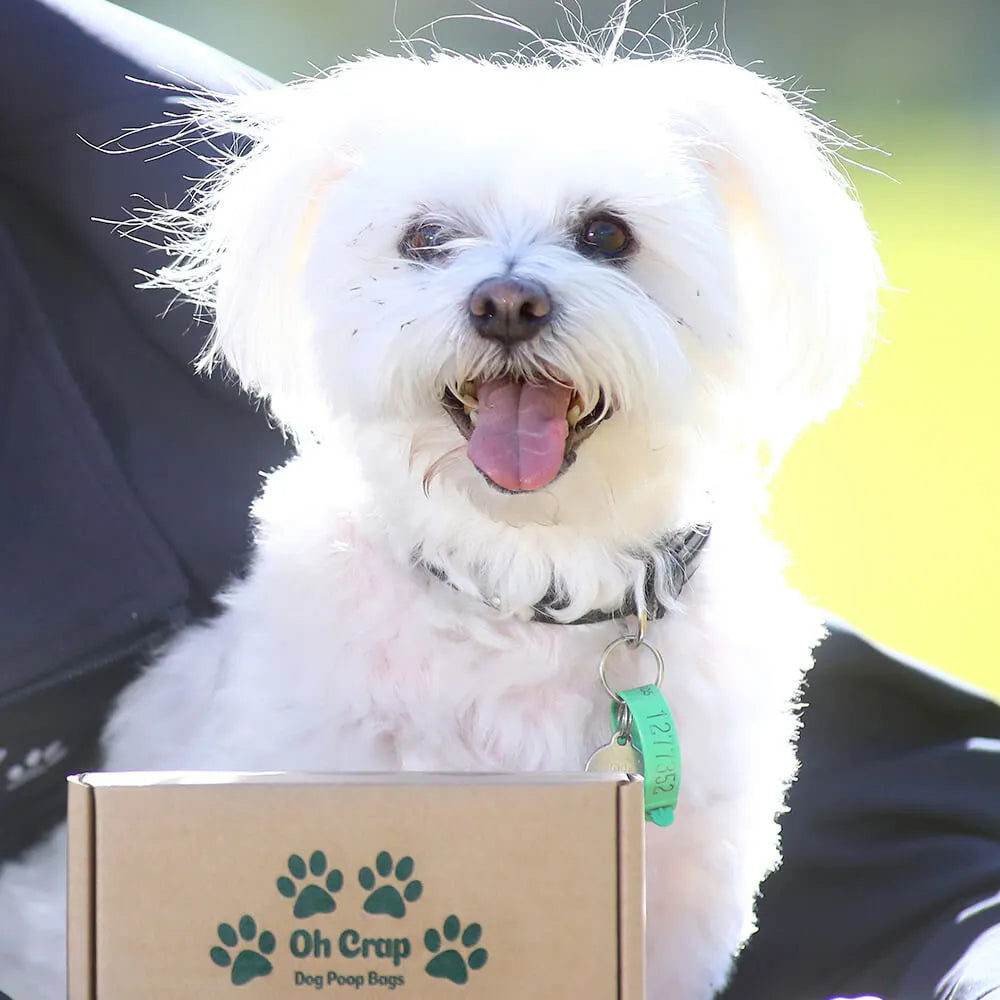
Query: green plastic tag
655, 737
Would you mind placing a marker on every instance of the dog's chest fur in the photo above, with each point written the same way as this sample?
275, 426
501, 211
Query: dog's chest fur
339, 656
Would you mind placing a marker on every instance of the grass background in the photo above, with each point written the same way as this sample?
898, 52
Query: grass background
890, 509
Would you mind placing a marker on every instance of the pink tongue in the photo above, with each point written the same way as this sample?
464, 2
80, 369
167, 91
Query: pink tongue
519, 440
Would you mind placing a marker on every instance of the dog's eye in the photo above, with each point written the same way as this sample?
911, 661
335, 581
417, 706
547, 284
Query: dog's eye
425, 240
605, 237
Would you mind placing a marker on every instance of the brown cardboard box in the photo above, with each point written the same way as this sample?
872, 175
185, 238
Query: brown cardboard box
204, 886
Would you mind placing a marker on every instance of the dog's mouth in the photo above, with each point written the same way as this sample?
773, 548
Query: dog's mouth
522, 433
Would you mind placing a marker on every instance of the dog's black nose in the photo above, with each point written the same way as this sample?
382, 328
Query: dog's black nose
509, 309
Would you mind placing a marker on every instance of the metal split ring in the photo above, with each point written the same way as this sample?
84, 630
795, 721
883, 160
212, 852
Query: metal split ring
642, 619
623, 721
633, 642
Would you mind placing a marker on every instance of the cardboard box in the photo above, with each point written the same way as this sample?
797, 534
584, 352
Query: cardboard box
204, 886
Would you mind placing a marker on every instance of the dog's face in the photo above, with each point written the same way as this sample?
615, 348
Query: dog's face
507, 286
536, 286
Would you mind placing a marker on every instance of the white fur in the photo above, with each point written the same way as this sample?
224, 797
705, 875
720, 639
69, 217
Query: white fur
742, 317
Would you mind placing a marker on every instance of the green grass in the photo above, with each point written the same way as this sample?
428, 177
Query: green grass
890, 510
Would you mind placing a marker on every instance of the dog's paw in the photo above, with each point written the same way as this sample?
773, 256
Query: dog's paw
389, 898
452, 964
250, 963
315, 897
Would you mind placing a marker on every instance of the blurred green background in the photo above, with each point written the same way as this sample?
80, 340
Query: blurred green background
889, 511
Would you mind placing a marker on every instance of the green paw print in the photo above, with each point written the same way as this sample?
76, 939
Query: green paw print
250, 963
388, 898
313, 898
451, 964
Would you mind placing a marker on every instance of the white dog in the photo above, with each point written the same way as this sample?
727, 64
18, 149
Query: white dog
535, 327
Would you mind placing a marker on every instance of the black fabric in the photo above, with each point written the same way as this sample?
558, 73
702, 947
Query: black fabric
52, 729
124, 480
892, 841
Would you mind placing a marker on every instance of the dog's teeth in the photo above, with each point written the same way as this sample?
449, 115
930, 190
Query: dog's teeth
468, 401
473, 417
574, 414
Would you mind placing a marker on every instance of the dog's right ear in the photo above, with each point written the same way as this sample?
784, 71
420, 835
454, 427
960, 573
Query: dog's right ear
240, 249
806, 263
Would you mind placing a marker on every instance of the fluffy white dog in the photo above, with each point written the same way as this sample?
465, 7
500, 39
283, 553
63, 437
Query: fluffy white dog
535, 327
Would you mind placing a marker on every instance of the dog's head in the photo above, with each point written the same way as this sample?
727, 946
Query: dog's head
582, 292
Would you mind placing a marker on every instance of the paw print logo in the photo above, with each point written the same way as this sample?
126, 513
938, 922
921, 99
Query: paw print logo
316, 896
452, 963
388, 897
251, 962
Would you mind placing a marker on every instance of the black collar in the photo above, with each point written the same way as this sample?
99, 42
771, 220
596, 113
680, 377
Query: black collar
670, 562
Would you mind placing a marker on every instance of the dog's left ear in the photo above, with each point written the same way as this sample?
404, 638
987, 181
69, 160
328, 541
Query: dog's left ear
240, 251
807, 270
